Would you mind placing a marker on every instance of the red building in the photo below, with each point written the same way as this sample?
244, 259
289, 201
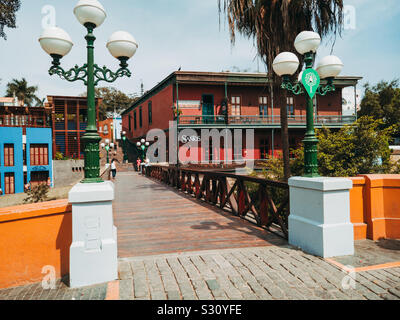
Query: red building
206, 100
69, 121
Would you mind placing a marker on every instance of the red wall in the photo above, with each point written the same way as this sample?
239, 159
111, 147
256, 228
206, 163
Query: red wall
162, 104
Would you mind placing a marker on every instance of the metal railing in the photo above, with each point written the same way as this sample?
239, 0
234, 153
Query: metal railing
261, 201
266, 120
23, 121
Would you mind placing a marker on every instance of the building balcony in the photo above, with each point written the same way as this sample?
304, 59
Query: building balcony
23, 121
261, 121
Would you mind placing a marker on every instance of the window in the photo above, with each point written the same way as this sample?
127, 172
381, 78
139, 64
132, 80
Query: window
39, 154
150, 113
39, 177
134, 120
9, 183
9, 155
140, 117
263, 106
290, 106
129, 123
264, 149
236, 102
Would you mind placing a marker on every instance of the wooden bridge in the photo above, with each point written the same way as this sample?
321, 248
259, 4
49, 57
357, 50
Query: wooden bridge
154, 218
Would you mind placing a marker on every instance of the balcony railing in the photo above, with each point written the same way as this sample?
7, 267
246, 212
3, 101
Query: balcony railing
23, 121
260, 120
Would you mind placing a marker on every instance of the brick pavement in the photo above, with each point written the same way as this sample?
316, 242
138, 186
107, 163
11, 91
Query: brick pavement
261, 273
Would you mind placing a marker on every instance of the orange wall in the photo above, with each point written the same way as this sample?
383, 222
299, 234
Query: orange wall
108, 123
358, 209
375, 202
31, 237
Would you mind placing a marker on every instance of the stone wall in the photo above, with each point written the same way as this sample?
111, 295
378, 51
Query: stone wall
67, 172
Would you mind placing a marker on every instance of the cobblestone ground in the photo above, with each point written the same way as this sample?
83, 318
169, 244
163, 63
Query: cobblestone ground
263, 273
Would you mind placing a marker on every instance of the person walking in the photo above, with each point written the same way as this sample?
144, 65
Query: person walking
114, 168
138, 162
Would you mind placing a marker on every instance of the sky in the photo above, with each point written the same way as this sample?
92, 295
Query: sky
187, 34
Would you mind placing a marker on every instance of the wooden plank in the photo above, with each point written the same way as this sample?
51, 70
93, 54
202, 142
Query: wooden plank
153, 218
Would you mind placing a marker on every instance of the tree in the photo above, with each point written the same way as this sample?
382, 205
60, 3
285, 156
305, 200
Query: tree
361, 148
24, 93
8, 8
113, 101
274, 25
382, 101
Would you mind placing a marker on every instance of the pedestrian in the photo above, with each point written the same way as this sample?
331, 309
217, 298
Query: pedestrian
138, 162
114, 167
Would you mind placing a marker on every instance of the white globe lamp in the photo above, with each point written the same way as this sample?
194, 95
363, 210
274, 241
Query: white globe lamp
122, 45
307, 41
285, 63
90, 12
55, 41
329, 67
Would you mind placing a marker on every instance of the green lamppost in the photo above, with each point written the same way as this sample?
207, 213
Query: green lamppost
124, 146
143, 145
57, 43
286, 64
107, 145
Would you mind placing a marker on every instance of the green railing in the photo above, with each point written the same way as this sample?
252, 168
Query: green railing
260, 120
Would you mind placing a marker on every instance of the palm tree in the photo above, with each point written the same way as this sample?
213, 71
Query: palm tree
274, 25
24, 93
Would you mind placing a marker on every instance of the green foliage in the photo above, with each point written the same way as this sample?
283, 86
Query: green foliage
25, 93
59, 156
37, 193
8, 9
361, 148
382, 101
113, 99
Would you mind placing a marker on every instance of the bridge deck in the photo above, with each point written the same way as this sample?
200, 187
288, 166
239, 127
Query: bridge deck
155, 219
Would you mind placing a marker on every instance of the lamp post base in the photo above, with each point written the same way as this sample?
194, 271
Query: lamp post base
93, 252
321, 225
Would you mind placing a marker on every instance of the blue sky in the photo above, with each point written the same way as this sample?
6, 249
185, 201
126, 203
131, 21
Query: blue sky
187, 34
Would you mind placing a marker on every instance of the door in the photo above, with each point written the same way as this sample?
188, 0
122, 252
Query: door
208, 108
9, 183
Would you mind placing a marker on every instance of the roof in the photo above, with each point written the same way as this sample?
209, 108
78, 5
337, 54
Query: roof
7, 99
222, 78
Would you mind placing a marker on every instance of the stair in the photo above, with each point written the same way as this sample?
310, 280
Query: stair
117, 154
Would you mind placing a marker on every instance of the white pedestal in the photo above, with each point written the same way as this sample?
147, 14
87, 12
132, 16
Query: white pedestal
93, 252
319, 220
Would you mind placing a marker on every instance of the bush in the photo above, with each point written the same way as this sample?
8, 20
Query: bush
360, 148
37, 193
59, 156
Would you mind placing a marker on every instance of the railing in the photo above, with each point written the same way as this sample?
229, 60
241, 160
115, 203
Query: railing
23, 121
260, 120
261, 201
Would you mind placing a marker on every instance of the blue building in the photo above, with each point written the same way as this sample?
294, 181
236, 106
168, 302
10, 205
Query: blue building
25, 152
